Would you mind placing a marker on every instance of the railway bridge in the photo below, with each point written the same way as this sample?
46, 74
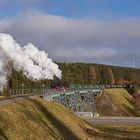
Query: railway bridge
78, 98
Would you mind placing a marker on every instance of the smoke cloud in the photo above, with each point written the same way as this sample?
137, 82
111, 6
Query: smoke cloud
34, 63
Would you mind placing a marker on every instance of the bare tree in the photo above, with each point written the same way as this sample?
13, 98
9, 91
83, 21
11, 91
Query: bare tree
92, 75
110, 76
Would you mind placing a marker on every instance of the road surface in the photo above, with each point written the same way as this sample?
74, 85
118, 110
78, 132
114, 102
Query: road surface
114, 120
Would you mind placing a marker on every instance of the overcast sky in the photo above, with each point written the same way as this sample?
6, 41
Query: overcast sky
95, 31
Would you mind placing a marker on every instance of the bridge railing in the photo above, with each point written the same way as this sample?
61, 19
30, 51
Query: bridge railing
15, 92
72, 87
98, 86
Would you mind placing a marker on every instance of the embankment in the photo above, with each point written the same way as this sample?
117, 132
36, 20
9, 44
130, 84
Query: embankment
116, 102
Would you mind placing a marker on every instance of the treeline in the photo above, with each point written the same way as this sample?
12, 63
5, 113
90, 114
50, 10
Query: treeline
97, 73
80, 73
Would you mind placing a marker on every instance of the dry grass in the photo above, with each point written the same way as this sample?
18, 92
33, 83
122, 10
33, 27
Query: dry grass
123, 101
36, 119
120, 132
2, 97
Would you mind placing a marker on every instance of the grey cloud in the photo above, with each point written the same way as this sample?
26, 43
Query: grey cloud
89, 40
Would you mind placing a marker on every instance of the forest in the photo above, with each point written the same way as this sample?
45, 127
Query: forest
79, 73
98, 73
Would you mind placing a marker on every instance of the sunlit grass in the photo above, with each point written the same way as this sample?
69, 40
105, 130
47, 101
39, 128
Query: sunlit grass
120, 132
123, 101
36, 119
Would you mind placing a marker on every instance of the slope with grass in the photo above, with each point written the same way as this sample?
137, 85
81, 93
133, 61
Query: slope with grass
35, 119
116, 102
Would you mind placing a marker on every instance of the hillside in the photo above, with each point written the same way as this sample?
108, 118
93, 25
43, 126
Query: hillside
98, 73
34, 119
117, 102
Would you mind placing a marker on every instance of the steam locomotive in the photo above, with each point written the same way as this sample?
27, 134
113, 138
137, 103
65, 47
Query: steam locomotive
61, 85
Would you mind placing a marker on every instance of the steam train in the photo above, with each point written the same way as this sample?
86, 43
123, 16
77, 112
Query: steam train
59, 85
64, 86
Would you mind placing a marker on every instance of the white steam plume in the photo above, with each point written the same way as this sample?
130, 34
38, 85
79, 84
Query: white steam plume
2, 76
35, 64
